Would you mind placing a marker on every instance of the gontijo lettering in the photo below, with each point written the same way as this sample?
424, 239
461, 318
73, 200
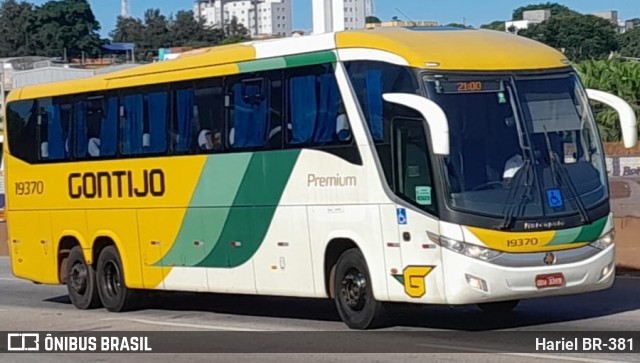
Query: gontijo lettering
117, 184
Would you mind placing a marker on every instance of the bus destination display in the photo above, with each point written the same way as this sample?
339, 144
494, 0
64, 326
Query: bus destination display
448, 87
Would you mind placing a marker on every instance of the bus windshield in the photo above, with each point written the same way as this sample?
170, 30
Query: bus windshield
521, 147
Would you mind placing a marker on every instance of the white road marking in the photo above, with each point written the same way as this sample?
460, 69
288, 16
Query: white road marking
455, 348
183, 325
562, 358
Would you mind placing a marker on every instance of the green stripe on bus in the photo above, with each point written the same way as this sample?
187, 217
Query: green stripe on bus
310, 59
297, 60
592, 231
216, 189
584, 234
262, 65
565, 236
253, 208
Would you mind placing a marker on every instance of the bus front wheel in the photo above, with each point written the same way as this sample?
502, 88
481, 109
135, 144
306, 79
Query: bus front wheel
499, 306
354, 298
81, 281
114, 294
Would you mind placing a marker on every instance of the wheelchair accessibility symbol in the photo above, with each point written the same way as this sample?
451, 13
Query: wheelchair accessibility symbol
554, 198
402, 216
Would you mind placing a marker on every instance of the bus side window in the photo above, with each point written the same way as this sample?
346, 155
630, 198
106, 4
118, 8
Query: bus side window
22, 121
182, 129
94, 116
413, 172
249, 113
154, 137
316, 111
109, 127
209, 103
370, 81
53, 140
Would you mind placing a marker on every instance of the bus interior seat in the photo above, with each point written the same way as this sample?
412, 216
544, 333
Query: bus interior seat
93, 147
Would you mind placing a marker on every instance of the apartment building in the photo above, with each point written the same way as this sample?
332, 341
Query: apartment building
261, 17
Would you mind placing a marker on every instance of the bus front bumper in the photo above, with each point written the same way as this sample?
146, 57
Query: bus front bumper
471, 281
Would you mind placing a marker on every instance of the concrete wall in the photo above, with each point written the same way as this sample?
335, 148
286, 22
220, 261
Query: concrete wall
625, 204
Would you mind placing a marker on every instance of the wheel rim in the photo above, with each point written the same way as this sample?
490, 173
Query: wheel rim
78, 277
354, 289
112, 281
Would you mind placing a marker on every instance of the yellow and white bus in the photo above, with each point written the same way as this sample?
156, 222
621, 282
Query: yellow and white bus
416, 165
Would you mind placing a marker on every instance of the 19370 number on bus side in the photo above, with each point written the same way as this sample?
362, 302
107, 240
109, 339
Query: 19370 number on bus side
30, 188
520, 242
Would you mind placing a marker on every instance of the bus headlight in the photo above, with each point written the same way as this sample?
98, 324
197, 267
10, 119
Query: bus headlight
467, 249
605, 241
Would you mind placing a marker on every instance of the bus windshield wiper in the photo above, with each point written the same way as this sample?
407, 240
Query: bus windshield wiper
516, 201
523, 179
560, 175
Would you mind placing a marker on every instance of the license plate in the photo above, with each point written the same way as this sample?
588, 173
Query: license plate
551, 280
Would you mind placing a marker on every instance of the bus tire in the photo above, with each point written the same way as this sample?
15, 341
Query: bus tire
354, 298
114, 294
81, 281
499, 306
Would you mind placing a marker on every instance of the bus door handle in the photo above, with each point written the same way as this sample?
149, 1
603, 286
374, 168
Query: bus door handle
406, 236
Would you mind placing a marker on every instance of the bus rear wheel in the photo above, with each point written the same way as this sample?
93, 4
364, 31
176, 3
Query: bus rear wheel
499, 306
114, 294
81, 281
354, 298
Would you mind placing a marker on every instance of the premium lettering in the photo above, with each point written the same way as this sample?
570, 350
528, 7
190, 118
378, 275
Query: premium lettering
117, 184
331, 181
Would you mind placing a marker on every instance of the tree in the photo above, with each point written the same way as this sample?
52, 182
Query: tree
15, 18
128, 30
156, 30
458, 25
185, 30
630, 43
496, 25
237, 31
65, 27
556, 9
615, 76
372, 20
580, 37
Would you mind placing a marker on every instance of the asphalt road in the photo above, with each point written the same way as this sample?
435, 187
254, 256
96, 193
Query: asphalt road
26, 306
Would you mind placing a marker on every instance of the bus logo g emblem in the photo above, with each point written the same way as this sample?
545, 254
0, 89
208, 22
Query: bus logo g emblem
413, 279
549, 258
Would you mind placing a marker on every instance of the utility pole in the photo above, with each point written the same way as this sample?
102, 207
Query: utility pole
124, 8
222, 2
255, 13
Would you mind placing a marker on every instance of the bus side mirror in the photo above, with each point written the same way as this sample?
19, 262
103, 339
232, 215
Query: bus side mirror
432, 113
628, 122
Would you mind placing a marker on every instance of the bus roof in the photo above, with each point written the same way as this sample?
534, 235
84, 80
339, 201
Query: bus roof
436, 48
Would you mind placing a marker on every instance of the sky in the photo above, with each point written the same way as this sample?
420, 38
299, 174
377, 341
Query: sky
471, 12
